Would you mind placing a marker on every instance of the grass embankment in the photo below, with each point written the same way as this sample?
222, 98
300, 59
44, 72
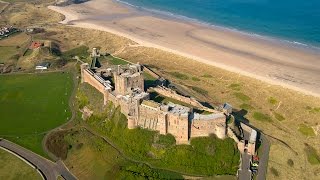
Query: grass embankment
205, 156
90, 157
14, 168
31, 105
115, 61
81, 52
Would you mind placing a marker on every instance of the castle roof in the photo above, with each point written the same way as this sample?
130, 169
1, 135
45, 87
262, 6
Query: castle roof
213, 116
178, 109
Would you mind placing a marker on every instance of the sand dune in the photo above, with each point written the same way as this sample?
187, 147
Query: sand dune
267, 60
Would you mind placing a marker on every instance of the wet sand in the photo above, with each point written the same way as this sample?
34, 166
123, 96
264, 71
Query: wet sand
271, 61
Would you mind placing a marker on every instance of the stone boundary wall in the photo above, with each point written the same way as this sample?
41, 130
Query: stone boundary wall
88, 77
174, 95
151, 72
246, 128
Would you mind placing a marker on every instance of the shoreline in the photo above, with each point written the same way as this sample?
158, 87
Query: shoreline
122, 20
177, 17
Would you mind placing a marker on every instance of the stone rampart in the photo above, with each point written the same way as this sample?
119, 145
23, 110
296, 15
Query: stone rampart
174, 95
203, 128
152, 73
88, 77
149, 115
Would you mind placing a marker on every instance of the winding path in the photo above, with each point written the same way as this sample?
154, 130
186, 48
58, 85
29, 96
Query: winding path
48, 169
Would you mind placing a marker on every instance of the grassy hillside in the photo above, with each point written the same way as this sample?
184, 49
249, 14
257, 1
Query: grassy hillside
205, 156
89, 157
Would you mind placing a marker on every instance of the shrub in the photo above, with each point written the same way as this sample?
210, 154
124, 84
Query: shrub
179, 75
306, 130
274, 171
261, 117
278, 116
312, 154
207, 76
242, 96
290, 162
235, 86
167, 140
272, 100
195, 79
246, 106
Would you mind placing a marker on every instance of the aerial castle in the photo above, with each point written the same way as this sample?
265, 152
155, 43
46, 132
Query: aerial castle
124, 86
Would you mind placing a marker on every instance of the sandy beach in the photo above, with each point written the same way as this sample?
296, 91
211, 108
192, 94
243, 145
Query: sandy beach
267, 60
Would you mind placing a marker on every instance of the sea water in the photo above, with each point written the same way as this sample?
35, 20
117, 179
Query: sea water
294, 21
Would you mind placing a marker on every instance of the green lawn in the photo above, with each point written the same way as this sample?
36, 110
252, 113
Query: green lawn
116, 61
32, 104
14, 168
81, 52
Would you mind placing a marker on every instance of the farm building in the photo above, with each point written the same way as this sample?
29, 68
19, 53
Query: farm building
43, 66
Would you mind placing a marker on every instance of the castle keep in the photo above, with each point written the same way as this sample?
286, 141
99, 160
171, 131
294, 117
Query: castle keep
124, 86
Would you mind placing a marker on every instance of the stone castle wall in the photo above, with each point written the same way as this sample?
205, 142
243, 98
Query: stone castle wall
203, 128
154, 118
148, 118
88, 77
149, 71
173, 94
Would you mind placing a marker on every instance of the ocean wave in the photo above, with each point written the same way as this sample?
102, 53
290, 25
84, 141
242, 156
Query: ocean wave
170, 15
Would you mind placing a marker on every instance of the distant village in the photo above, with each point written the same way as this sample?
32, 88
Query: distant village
7, 31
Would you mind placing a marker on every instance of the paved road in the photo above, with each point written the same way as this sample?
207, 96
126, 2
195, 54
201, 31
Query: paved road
264, 157
48, 169
244, 172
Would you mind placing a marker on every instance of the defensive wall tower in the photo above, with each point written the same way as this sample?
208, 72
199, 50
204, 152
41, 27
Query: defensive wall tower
128, 78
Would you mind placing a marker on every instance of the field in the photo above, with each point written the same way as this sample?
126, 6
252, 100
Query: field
14, 168
13, 47
32, 104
